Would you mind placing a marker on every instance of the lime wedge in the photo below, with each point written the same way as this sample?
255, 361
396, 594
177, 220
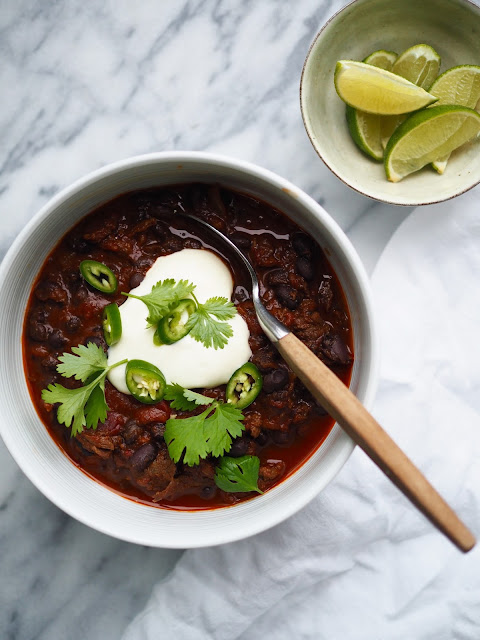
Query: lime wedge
365, 127
428, 135
418, 64
382, 59
458, 85
377, 91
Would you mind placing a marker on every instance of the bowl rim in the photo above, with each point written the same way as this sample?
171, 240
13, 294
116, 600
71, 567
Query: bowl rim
317, 150
253, 526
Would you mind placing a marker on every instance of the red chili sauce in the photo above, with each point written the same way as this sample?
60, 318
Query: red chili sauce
283, 426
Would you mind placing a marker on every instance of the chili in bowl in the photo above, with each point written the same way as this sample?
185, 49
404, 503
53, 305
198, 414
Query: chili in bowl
145, 399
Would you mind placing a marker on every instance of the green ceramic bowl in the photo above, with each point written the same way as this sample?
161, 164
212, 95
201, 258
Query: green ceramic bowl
452, 27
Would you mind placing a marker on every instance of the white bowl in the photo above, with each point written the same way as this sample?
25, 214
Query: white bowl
28, 439
452, 27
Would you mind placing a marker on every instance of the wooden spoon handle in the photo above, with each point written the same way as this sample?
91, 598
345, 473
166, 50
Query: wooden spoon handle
350, 414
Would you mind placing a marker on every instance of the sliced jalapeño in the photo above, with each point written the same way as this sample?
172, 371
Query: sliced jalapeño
244, 386
173, 327
99, 276
145, 381
112, 324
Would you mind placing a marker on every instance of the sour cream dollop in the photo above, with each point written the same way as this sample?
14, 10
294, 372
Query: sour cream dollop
186, 362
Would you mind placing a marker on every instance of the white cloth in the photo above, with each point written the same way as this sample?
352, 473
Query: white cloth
359, 562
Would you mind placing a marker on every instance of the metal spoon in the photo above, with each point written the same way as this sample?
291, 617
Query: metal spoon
352, 416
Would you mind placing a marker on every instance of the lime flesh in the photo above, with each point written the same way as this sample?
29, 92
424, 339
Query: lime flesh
374, 90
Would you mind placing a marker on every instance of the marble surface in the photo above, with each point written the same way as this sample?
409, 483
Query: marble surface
87, 83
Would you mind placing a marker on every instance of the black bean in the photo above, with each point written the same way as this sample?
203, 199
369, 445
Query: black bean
39, 315
49, 363
132, 431
39, 332
157, 430
99, 341
143, 457
275, 380
135, 279
302, 244
208, 492
262, 439
239, 447
304, 267
47, 290
334, 348
57, 339
81, 295
288, 296
241, 240
276, 277
73, 324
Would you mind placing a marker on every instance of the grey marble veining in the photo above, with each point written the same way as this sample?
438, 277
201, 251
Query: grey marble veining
87, 83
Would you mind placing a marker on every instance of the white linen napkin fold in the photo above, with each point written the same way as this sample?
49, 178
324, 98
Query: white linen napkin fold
359, 562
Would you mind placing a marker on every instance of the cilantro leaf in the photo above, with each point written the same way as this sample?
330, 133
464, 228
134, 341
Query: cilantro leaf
209, 432
220, 307
84, 406
71, 411
197, 398
174, 394
238, 474
205, 324
221, 427
88, 361
185, 399
96, 407
163, 297
187, 435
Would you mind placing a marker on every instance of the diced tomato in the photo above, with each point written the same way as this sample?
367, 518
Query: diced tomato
158, 413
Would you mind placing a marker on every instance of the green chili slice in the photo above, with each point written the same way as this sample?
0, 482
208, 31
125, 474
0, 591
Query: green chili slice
244, 386
145, 381
172, 328
99, 276
112, 324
